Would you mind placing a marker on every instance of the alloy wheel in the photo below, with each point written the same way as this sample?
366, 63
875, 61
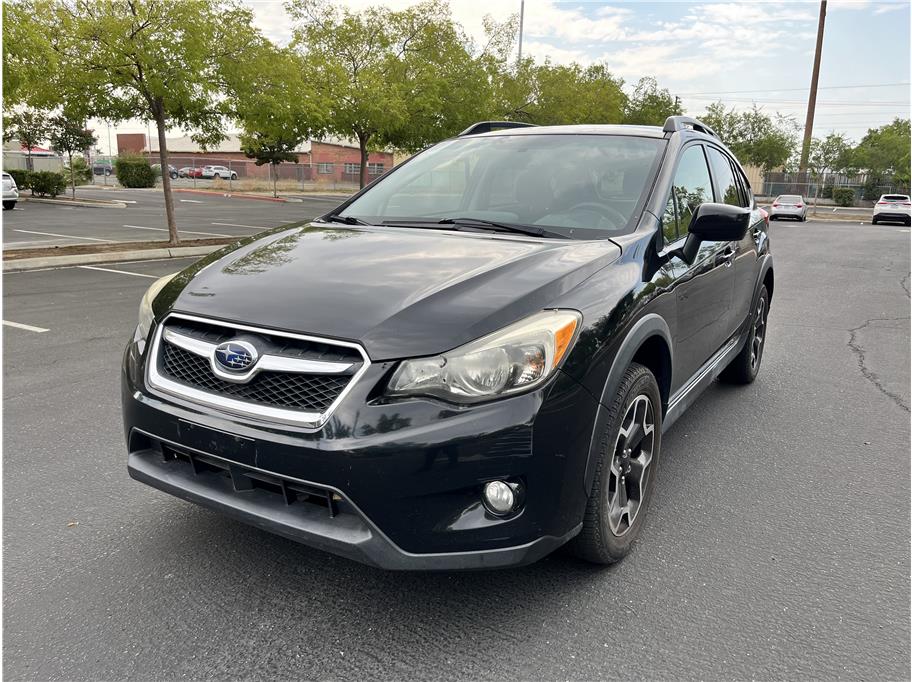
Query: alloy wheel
633, 453
758, 333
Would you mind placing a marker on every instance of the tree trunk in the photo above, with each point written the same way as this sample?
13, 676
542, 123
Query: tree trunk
275, 177
362, 143
174, 239
72, 177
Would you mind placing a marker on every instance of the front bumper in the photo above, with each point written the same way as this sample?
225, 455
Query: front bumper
402, 479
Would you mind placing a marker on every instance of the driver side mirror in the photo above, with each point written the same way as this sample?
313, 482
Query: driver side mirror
714, 223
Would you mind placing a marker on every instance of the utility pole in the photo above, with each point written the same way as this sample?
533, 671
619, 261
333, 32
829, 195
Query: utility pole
812, 98
522, 12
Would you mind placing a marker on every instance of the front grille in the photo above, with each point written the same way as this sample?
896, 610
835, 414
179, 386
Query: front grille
307, 392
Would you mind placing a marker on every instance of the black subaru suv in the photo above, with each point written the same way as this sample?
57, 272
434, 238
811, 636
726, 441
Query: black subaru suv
469, 363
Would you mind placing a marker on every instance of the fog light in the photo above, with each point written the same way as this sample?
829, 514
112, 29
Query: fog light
499, 497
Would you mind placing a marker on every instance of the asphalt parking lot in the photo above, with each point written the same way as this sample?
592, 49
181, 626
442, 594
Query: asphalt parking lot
199, 216
777, 546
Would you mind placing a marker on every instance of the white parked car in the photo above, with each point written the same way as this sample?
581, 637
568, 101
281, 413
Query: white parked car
219, 172
891, 208
10, 192
789, 206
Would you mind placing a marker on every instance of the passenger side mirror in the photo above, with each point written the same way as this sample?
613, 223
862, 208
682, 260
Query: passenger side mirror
714, 223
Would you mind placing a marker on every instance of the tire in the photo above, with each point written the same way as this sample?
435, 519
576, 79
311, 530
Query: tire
107, 172
873, 221
744, 367
173, 176
608, 532
234, 176
9, 205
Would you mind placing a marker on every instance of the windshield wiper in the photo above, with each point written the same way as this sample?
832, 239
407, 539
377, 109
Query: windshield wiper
347, 219
531, 230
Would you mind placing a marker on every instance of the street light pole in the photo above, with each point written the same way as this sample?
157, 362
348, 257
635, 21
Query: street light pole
812, 99
522, 12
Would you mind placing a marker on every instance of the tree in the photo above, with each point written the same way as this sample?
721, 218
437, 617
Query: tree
27, 53
69, 136
885, 149
553, 94
165, 62
754, 136
404, 79
30, 127
650, 105
277, 109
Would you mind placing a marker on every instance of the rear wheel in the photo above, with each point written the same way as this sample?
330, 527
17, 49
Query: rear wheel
626, 470
744, 368
9, 205
873, 221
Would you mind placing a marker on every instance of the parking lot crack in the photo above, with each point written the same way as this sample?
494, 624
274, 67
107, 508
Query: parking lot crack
904, 283
859, 352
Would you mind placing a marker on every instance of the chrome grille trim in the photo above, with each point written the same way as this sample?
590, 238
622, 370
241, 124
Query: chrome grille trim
306, 420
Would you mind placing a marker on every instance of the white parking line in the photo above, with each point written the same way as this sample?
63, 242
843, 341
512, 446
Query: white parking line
162, 229
252, 227
16, 208
191, 201
26, 327
65, 236
119, 272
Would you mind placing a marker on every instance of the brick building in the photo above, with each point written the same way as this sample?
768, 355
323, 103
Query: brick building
332, 161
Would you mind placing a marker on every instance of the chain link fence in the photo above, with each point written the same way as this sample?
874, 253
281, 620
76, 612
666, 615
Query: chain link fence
243, 175
819, 188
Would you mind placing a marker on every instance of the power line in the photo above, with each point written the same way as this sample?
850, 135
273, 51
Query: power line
828, 87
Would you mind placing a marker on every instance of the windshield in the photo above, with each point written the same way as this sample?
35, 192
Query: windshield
579, 186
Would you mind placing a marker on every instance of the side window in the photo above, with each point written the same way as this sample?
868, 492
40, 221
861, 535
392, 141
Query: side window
692, 185
670, 220
745, 187
729, 192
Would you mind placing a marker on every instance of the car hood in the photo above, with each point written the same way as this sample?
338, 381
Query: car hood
400, 292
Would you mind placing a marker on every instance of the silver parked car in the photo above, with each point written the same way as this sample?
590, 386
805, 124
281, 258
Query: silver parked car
10, 192
789, 206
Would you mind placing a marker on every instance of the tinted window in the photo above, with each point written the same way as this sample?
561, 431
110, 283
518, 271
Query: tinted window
692, 186
729, 193
670, 220
578, 184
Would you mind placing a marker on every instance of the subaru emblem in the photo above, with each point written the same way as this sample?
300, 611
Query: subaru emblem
235, 356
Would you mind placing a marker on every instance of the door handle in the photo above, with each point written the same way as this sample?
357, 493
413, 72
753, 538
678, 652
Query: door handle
725, 257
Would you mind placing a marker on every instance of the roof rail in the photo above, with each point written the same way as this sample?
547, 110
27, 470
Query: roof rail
488, 126
674, 124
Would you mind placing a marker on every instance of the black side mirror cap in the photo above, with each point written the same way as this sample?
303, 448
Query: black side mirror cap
720, 222
714, 223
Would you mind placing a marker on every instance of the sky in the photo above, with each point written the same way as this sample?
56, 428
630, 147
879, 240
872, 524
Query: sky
739, 52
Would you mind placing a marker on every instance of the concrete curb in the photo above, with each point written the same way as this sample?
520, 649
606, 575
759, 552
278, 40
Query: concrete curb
230, 195
45, 262
87, 204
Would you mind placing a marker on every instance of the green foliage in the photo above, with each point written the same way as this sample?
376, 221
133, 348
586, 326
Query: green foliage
28, 55
403, 78
885, 149
82, 173
22, 178
650, 105
47, 183
755, 137
29, 126
828, 155
844, 196
826, 192
871, 189
69, 136
134, 171
555, 94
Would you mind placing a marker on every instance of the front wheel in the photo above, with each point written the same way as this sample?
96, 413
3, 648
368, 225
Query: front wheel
744, 368
234, 176
9, 205
626, 470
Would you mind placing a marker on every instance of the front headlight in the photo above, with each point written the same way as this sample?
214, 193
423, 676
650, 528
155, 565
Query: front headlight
146, 316
514, 359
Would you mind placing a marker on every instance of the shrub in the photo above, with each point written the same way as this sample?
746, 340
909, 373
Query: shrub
47, 183
133, 171
844, 196
81, 171
21, 177
826, 192
871, 189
